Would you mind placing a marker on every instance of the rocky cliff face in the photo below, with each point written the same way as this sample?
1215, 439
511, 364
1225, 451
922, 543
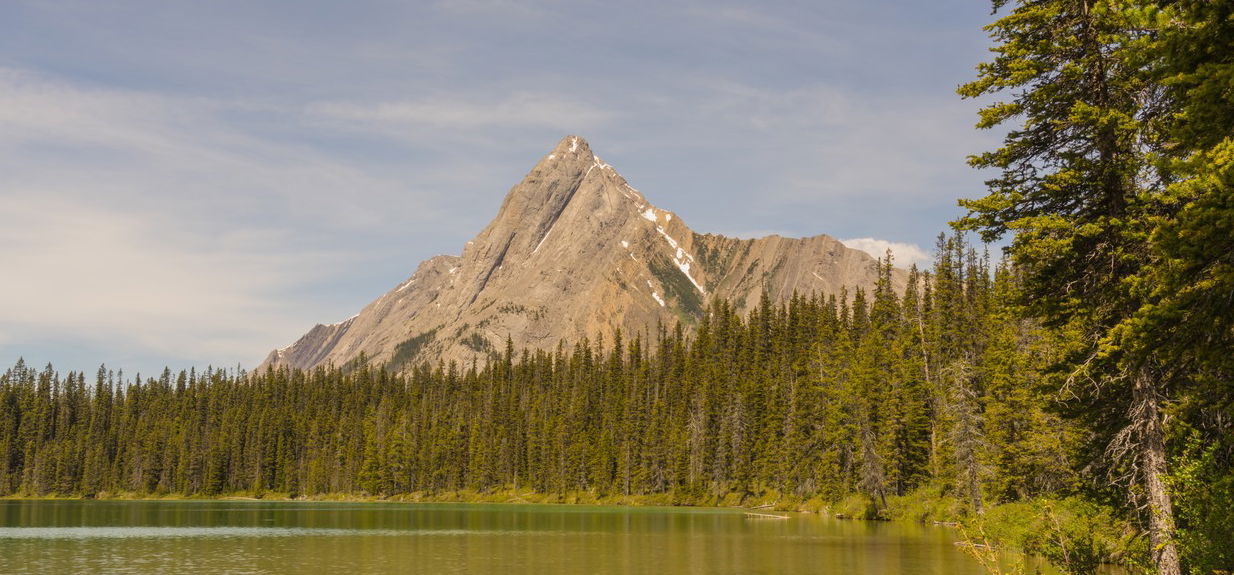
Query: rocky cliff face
575, 251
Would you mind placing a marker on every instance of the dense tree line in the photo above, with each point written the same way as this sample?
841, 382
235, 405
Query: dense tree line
878, 393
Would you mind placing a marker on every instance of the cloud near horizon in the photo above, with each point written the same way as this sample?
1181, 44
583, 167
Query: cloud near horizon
139, 225
903, 254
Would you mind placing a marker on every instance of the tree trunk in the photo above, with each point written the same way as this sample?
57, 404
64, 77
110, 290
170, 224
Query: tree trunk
1146, 417
873, 476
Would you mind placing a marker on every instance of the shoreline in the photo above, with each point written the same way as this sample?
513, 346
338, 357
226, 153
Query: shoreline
506, 497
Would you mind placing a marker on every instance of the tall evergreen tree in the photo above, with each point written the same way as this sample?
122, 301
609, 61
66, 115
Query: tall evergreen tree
1077, 188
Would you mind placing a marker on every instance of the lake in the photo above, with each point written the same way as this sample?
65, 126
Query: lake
226, 537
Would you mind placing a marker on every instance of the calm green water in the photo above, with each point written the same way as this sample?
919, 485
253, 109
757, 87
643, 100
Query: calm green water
224, 537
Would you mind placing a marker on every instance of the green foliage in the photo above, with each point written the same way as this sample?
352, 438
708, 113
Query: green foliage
1074, 535
857, 506
1072, 172
927, 504
1205, 490
715, 256
408, 351
1116, 178
477, 343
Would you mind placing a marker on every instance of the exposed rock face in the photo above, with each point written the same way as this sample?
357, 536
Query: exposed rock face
575, 252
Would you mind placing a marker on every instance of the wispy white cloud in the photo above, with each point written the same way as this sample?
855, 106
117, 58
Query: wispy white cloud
903, 254
176, 152
825, 139
182, 152
108, 275
823, 156
520, 109
156, 220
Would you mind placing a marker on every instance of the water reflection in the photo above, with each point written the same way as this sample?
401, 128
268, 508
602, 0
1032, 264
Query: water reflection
277, 538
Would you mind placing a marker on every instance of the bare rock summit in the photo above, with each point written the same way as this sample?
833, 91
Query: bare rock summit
575, 252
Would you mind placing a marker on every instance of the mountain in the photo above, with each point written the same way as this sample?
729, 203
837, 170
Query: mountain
575, 252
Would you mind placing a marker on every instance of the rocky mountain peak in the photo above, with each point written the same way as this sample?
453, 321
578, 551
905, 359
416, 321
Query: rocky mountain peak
574, 252
571, 147
531, 207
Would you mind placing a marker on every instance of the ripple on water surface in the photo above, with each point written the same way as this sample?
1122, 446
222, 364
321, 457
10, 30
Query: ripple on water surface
142, 538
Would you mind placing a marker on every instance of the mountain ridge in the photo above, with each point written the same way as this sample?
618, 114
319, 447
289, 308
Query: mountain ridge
573, 251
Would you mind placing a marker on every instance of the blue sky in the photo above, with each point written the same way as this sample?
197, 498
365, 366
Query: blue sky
191, 183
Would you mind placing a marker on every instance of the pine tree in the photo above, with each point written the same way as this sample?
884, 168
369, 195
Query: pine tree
1076, 187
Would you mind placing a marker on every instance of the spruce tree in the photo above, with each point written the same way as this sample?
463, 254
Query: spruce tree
1077, 188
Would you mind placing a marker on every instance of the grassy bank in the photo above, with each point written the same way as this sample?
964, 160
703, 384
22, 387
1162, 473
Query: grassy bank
732, 500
